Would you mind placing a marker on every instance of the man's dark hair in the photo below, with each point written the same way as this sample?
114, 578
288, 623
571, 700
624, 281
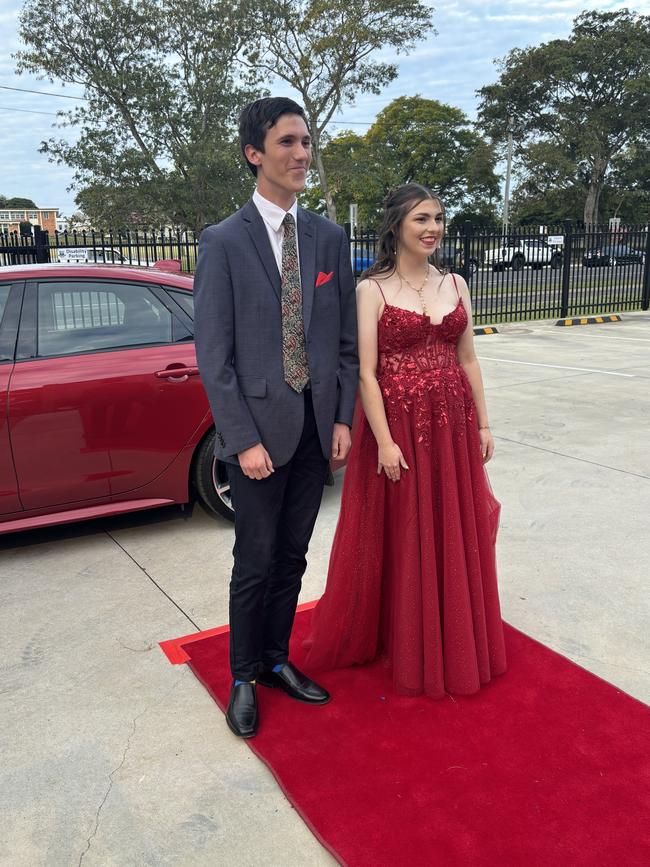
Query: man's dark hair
257, 119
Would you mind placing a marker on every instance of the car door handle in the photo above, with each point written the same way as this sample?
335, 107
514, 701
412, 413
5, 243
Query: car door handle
179, 374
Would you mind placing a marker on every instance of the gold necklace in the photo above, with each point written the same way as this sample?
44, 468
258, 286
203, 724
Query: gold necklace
416, 289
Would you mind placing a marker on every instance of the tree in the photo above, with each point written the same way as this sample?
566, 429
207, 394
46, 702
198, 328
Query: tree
412, 139
587, 96
351, 177
321, 48
157, 135
17, 202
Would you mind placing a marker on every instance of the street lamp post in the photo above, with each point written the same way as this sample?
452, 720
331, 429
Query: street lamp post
506, 197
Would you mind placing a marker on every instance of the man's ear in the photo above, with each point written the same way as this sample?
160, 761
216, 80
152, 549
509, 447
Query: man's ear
252, 155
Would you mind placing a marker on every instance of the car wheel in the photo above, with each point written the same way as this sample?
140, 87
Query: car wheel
556, 262
612, 262
211, 480
473, 267
518, 263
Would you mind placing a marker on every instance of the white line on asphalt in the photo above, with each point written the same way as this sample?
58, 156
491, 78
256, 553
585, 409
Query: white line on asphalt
612, 337
558, 366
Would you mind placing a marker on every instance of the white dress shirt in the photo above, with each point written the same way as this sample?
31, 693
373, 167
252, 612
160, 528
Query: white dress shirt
273, 215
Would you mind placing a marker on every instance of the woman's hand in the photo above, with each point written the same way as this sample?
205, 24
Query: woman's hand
487, 443
391, 461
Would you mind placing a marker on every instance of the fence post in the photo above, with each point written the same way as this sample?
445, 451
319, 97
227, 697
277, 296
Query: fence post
467, 231
42, 245
645, 297
566, 269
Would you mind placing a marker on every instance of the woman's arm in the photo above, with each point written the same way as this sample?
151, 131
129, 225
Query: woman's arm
469, 362
369, 307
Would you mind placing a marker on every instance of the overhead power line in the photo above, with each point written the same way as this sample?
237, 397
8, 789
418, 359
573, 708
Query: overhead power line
28, 110
42, 92
83, 99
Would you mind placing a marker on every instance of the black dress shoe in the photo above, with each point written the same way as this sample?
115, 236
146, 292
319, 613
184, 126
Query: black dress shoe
294, 683
241, 715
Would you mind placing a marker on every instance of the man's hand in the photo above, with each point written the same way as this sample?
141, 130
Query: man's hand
255, 462
341, 441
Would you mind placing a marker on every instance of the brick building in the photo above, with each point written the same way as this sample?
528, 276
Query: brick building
10, 218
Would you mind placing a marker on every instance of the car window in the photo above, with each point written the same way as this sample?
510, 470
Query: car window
85, 316
4, 294
185, 299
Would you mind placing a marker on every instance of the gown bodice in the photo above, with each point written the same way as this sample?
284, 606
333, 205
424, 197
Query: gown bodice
408, 342
418, 369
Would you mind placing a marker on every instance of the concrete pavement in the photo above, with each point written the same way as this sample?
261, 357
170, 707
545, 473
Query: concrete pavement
111, 756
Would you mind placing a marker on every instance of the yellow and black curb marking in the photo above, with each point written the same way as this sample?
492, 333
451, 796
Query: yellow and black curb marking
486, 329
590, 320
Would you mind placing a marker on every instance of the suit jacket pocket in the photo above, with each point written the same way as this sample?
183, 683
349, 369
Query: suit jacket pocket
252, 386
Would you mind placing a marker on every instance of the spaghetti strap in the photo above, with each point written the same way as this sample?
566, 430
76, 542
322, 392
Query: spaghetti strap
380, 289
453, 277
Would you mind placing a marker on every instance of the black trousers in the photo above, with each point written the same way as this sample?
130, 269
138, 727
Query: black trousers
274, 520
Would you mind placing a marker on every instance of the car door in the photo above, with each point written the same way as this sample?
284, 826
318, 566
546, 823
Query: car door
10, 298
93, 410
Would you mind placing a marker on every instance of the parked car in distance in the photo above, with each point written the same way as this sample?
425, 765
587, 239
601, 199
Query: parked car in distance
451, 257
518, 253
102, 410
612, 255
360, 262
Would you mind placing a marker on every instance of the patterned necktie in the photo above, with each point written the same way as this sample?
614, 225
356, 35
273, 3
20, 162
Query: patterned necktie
294, 350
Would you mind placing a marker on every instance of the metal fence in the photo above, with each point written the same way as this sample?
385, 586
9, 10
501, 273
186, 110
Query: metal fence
522, 274
525, 274
143, 248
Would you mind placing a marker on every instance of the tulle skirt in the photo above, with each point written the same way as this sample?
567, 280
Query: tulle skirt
412, 572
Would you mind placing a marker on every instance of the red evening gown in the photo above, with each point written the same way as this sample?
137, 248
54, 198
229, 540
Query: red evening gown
412, 572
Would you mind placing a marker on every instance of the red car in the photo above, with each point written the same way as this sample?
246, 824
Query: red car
102, 410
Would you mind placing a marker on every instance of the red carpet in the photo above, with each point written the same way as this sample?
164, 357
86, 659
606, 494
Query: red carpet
548, 765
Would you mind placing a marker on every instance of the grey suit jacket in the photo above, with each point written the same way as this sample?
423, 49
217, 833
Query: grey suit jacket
238, 333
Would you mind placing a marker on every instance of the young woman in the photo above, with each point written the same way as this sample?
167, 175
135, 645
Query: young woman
412, 573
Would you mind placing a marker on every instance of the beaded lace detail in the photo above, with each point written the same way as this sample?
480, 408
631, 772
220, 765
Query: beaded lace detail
419, 371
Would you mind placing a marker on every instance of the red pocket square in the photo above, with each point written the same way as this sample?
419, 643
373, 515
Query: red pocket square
323, 277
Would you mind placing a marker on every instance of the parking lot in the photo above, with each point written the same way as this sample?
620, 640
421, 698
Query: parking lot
111, 756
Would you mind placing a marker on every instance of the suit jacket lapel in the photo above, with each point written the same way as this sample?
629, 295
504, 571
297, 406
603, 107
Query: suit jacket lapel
257, 230
307, 254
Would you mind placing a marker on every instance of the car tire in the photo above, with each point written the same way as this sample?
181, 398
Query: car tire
556, 262
473, 267
518, 263
211, 481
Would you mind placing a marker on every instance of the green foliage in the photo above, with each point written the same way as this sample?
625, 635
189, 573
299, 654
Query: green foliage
322, 49
576, 103
17, 202
157, 133
413, 139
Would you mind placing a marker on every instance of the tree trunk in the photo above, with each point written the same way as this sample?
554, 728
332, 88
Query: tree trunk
596, 181
320, 168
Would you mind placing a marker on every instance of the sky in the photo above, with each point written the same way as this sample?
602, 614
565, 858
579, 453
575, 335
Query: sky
448, 66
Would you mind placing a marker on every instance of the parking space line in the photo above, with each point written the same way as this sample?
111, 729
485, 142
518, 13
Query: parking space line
611, 336
556, 366
570, 457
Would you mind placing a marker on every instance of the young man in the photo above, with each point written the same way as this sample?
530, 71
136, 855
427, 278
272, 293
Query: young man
275, 329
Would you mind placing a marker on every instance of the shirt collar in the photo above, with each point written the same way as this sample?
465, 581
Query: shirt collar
271, 213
